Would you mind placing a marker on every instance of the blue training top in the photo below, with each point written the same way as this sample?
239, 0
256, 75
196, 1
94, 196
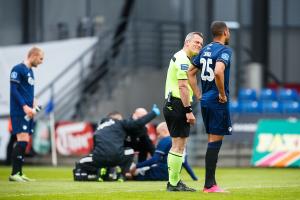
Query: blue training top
206, 62
21, 89
160, 155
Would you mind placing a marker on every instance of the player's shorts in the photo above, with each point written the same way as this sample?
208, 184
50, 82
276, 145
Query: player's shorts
216, 118
155, 173
175, 117
20, 125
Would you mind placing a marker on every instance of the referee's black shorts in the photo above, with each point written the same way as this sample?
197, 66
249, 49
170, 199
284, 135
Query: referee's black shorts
175, 117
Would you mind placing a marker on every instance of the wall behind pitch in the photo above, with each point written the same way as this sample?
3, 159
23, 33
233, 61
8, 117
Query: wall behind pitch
11, 22
72, 11
56, 11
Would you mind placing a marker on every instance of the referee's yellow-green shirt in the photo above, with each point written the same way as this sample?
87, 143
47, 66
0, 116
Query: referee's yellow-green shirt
177, 70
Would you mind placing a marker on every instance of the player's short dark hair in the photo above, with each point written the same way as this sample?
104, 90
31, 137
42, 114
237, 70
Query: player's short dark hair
109, 116
217, 28
113, 113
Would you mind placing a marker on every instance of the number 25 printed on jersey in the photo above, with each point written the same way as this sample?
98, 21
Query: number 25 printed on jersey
207, 73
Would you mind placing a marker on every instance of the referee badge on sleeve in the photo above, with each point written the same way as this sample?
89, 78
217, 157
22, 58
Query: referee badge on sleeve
184, 67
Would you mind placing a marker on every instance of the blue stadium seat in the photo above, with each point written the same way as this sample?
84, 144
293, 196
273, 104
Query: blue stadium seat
290, 107
267, 95
250, 107
247, 95
288, 95
270, 107
234, 107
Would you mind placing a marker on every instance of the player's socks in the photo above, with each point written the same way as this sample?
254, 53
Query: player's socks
174, 167
211, 159
18, 157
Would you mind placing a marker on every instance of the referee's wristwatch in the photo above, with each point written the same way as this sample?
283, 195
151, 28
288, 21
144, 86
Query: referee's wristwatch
188, 109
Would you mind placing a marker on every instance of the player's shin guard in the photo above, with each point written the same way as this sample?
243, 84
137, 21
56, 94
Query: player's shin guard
211, 159
174, 167
18, 157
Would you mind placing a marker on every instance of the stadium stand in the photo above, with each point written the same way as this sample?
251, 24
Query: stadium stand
247, 94
268, 101
288, 95
268, 94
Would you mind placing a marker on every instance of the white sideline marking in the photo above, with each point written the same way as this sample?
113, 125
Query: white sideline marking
118, 190
261, 186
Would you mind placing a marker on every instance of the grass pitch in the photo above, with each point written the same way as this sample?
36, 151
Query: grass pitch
243, 184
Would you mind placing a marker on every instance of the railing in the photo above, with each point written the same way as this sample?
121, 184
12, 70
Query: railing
66, 96
147, 43
152, 43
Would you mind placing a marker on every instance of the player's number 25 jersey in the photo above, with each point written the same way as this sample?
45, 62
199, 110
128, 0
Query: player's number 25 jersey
206, 61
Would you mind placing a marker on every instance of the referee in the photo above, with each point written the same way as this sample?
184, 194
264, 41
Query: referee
22, 104
177, 110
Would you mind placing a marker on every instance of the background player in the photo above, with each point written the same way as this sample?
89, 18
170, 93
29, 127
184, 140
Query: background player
21, 104
177, 109
214, 62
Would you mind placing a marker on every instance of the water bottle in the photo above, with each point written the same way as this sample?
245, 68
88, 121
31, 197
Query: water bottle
36, 109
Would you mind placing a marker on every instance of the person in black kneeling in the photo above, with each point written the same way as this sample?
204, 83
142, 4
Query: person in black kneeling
139, 139
109, 150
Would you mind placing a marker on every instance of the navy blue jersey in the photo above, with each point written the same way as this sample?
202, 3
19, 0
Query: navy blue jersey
206, 62
163, 148
160, 154
21, 89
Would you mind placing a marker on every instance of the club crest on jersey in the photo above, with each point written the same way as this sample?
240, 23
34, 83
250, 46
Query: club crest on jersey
30, 80
184, 67
13, 75
225, 56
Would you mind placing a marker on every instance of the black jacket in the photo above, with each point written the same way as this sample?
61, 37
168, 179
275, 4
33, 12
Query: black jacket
110, 135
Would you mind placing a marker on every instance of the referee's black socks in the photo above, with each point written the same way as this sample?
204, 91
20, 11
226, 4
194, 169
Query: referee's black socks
18, 157
211, 159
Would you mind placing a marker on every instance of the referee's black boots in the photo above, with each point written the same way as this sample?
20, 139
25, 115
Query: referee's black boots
180, 187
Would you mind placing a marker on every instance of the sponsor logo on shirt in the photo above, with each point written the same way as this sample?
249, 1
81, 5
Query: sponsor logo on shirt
30, 80
207, 53
105, 124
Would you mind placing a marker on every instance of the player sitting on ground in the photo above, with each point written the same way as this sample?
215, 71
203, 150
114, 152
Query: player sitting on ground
156, 168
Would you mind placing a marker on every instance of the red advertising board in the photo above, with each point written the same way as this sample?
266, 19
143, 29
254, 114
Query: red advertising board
74, 138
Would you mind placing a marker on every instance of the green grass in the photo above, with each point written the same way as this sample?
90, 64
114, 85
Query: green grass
244, 184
